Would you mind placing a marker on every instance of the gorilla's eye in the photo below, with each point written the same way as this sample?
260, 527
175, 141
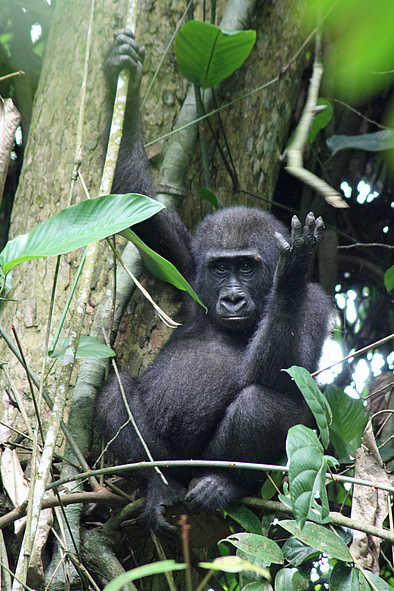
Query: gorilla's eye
246, 267
220, 267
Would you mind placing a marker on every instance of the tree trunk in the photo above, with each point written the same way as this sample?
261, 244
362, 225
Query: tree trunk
256, 128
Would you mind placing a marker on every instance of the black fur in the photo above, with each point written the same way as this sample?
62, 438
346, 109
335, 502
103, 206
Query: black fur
216, 390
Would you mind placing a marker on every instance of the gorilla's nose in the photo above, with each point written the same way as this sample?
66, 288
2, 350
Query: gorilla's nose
233, 302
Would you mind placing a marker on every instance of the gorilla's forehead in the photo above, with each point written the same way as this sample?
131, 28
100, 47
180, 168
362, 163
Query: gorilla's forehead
231, 253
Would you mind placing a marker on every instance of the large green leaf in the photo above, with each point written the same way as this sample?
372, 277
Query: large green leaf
160, 267
314, 398
78, 226
206, 55
256, 546
348, 422
319, 537
371, 142
163, 566
307, 473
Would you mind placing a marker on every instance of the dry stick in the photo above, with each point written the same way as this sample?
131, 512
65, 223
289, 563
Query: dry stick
295, 151
355, 354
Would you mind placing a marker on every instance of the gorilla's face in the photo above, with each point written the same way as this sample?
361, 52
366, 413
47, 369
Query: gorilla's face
230, 288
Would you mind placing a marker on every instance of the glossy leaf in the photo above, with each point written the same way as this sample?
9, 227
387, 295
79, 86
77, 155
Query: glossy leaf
78, 226
234, 564
371, 142
319, 537
256, 546
160, 267
88, 348
291, 579
307, 473
257, 586
321, 119
206, 55
154, 568
316, 401
348, 423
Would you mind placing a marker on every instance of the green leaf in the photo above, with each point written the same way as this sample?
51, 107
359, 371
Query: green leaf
245, 517
344, 578
234, 564
163, 566
160, 267
256, 546
206, 55
78, 226
314, 398
88, 348
211, 198
348, 423
291, 579
296, 552
321, 119
319, 537
307, 473
371, 142
389, 279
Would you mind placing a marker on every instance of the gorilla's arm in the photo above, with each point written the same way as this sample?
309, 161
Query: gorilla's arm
164, 232
296, 318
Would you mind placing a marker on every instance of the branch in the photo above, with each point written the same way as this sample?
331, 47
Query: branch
295, 151
334, 516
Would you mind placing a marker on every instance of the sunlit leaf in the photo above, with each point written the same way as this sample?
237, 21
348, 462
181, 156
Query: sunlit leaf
319, 537
234, 564
314, 398
78, 226
206, 55
154, 568
256, 546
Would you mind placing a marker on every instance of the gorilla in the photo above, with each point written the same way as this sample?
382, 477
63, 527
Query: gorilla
216, 390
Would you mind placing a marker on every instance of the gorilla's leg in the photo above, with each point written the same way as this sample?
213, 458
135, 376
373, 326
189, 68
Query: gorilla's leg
253, 429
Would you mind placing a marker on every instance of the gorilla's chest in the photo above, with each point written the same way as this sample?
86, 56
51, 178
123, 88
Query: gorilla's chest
190, 385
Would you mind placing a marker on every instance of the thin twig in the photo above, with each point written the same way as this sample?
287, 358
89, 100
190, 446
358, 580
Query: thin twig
355, 354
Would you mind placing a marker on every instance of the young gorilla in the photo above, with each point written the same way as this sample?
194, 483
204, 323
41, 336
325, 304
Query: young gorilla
216, 390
